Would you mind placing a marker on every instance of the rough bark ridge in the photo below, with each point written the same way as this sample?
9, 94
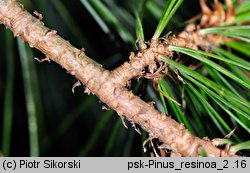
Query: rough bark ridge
110, 86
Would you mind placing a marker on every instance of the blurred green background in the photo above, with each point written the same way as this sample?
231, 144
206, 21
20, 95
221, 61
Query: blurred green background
39, 114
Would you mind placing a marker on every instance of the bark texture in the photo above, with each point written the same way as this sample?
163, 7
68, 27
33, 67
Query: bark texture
109, 86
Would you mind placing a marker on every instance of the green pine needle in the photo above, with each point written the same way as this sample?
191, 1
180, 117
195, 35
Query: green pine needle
170, 9
8, 98
238, 32
139, 16
198, 55
110, 18
241, 146
31, 102
222, 96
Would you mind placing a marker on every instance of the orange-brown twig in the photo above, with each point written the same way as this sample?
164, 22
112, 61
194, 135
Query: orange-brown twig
109, 86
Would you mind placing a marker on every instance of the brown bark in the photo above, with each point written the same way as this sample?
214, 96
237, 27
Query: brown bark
107, 85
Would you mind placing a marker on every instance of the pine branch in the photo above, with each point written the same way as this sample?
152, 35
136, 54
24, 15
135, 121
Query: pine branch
110, 86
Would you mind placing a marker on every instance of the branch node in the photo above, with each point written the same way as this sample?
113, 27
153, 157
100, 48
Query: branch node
105, 107
132, 56
80, 53
217, 142
155, 152
152, 103
72, 72
206, 138
38, 15
123, 121
146, 141
163, 146
87, 90
78, 83
51, 32
135, 127
42, 60
182, 128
